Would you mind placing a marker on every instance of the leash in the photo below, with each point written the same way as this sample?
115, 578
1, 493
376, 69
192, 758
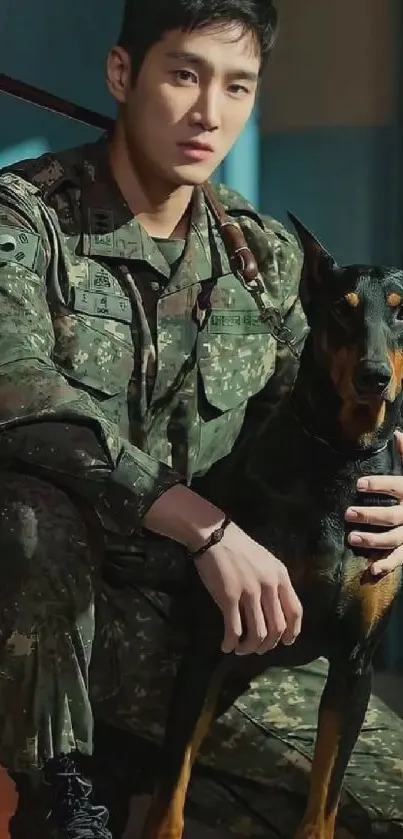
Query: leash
35, 96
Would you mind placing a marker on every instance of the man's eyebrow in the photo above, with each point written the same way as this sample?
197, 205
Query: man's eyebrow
200, 61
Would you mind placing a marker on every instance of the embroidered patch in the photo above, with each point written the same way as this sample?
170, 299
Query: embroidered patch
235, 322
19, 246
101, 280
102, 305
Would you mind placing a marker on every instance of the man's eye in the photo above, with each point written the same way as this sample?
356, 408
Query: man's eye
238, 89
185, 77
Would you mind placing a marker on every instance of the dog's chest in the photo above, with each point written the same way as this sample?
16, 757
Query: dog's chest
299, 490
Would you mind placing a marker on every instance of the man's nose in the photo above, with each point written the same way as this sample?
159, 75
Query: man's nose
207, 109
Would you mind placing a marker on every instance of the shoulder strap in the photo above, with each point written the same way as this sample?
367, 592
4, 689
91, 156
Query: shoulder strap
241, 258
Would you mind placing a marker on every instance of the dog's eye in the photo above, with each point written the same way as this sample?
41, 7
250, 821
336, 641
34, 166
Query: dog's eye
399, 313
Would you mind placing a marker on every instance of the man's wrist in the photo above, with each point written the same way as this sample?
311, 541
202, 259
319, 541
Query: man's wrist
214, 539
184, 516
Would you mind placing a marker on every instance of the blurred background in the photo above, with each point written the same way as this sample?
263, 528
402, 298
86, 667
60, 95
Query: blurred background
325, 142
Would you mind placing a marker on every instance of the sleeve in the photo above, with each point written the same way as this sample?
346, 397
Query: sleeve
47, 427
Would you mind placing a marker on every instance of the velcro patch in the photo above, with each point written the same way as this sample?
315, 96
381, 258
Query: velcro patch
19, 246
102, 305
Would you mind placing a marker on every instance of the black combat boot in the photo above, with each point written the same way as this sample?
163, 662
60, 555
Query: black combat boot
28, 822
67, 805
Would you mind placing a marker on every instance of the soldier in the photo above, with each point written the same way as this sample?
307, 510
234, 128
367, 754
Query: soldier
131, 356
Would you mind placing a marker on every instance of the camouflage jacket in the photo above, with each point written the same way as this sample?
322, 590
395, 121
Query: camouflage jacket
111, 384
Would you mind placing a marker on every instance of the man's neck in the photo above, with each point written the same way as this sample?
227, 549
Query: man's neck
162, 210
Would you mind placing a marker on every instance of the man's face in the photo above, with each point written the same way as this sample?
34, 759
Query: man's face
193, 95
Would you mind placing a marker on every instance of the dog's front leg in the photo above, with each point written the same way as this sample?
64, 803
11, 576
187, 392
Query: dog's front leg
341, 715
192, 708
190, 716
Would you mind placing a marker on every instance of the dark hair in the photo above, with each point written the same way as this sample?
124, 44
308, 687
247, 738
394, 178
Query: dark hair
145, 22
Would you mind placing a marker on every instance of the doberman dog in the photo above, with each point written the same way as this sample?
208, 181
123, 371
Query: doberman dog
291, 493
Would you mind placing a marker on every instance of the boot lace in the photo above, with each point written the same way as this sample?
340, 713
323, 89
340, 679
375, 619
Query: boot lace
72, 808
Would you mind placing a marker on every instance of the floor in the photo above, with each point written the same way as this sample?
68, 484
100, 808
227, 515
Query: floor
388, 687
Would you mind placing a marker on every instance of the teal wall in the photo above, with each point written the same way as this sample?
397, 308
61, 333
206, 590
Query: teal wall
27, 132
343, 182
331, 137
60, 46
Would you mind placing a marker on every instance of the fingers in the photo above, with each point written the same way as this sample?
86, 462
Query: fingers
389, 484
232, 626
388, 563
399, 440
389, 541
385, 541
275, 619
379, 516
271, 616
256, 629
292, 610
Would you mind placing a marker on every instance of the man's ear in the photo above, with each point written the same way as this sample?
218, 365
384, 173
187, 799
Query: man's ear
318, 263
118, 74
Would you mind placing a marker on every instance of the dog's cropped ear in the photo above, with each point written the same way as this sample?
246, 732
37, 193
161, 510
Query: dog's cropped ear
318, 262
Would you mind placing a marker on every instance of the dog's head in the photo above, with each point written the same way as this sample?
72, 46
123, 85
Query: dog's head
355, 314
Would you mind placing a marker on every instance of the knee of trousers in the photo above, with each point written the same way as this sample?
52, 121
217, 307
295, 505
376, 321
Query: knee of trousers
46, 562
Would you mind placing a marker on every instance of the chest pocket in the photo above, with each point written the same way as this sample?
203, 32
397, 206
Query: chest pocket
237, 352
94, 344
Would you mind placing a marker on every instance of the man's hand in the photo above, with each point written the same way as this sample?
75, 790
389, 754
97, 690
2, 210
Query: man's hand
388, 543
250, 586
254, 592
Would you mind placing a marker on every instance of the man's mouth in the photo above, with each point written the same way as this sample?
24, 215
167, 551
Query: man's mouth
195, 150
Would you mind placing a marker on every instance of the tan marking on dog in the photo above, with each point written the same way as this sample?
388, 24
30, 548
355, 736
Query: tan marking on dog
342, 364
352, 299
374, 595
395, 385
360, 420
165, 819
317, 823
394, 300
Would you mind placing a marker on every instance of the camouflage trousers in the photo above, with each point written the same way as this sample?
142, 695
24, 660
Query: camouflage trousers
75, 648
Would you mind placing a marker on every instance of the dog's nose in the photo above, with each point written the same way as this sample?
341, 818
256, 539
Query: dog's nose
371, 378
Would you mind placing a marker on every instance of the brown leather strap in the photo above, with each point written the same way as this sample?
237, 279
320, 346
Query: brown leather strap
240, 255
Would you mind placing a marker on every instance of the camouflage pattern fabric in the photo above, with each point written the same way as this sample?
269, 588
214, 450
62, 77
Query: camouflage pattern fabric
253, 773
83, 637
272, 729
91, 341
89, 303
90, 423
